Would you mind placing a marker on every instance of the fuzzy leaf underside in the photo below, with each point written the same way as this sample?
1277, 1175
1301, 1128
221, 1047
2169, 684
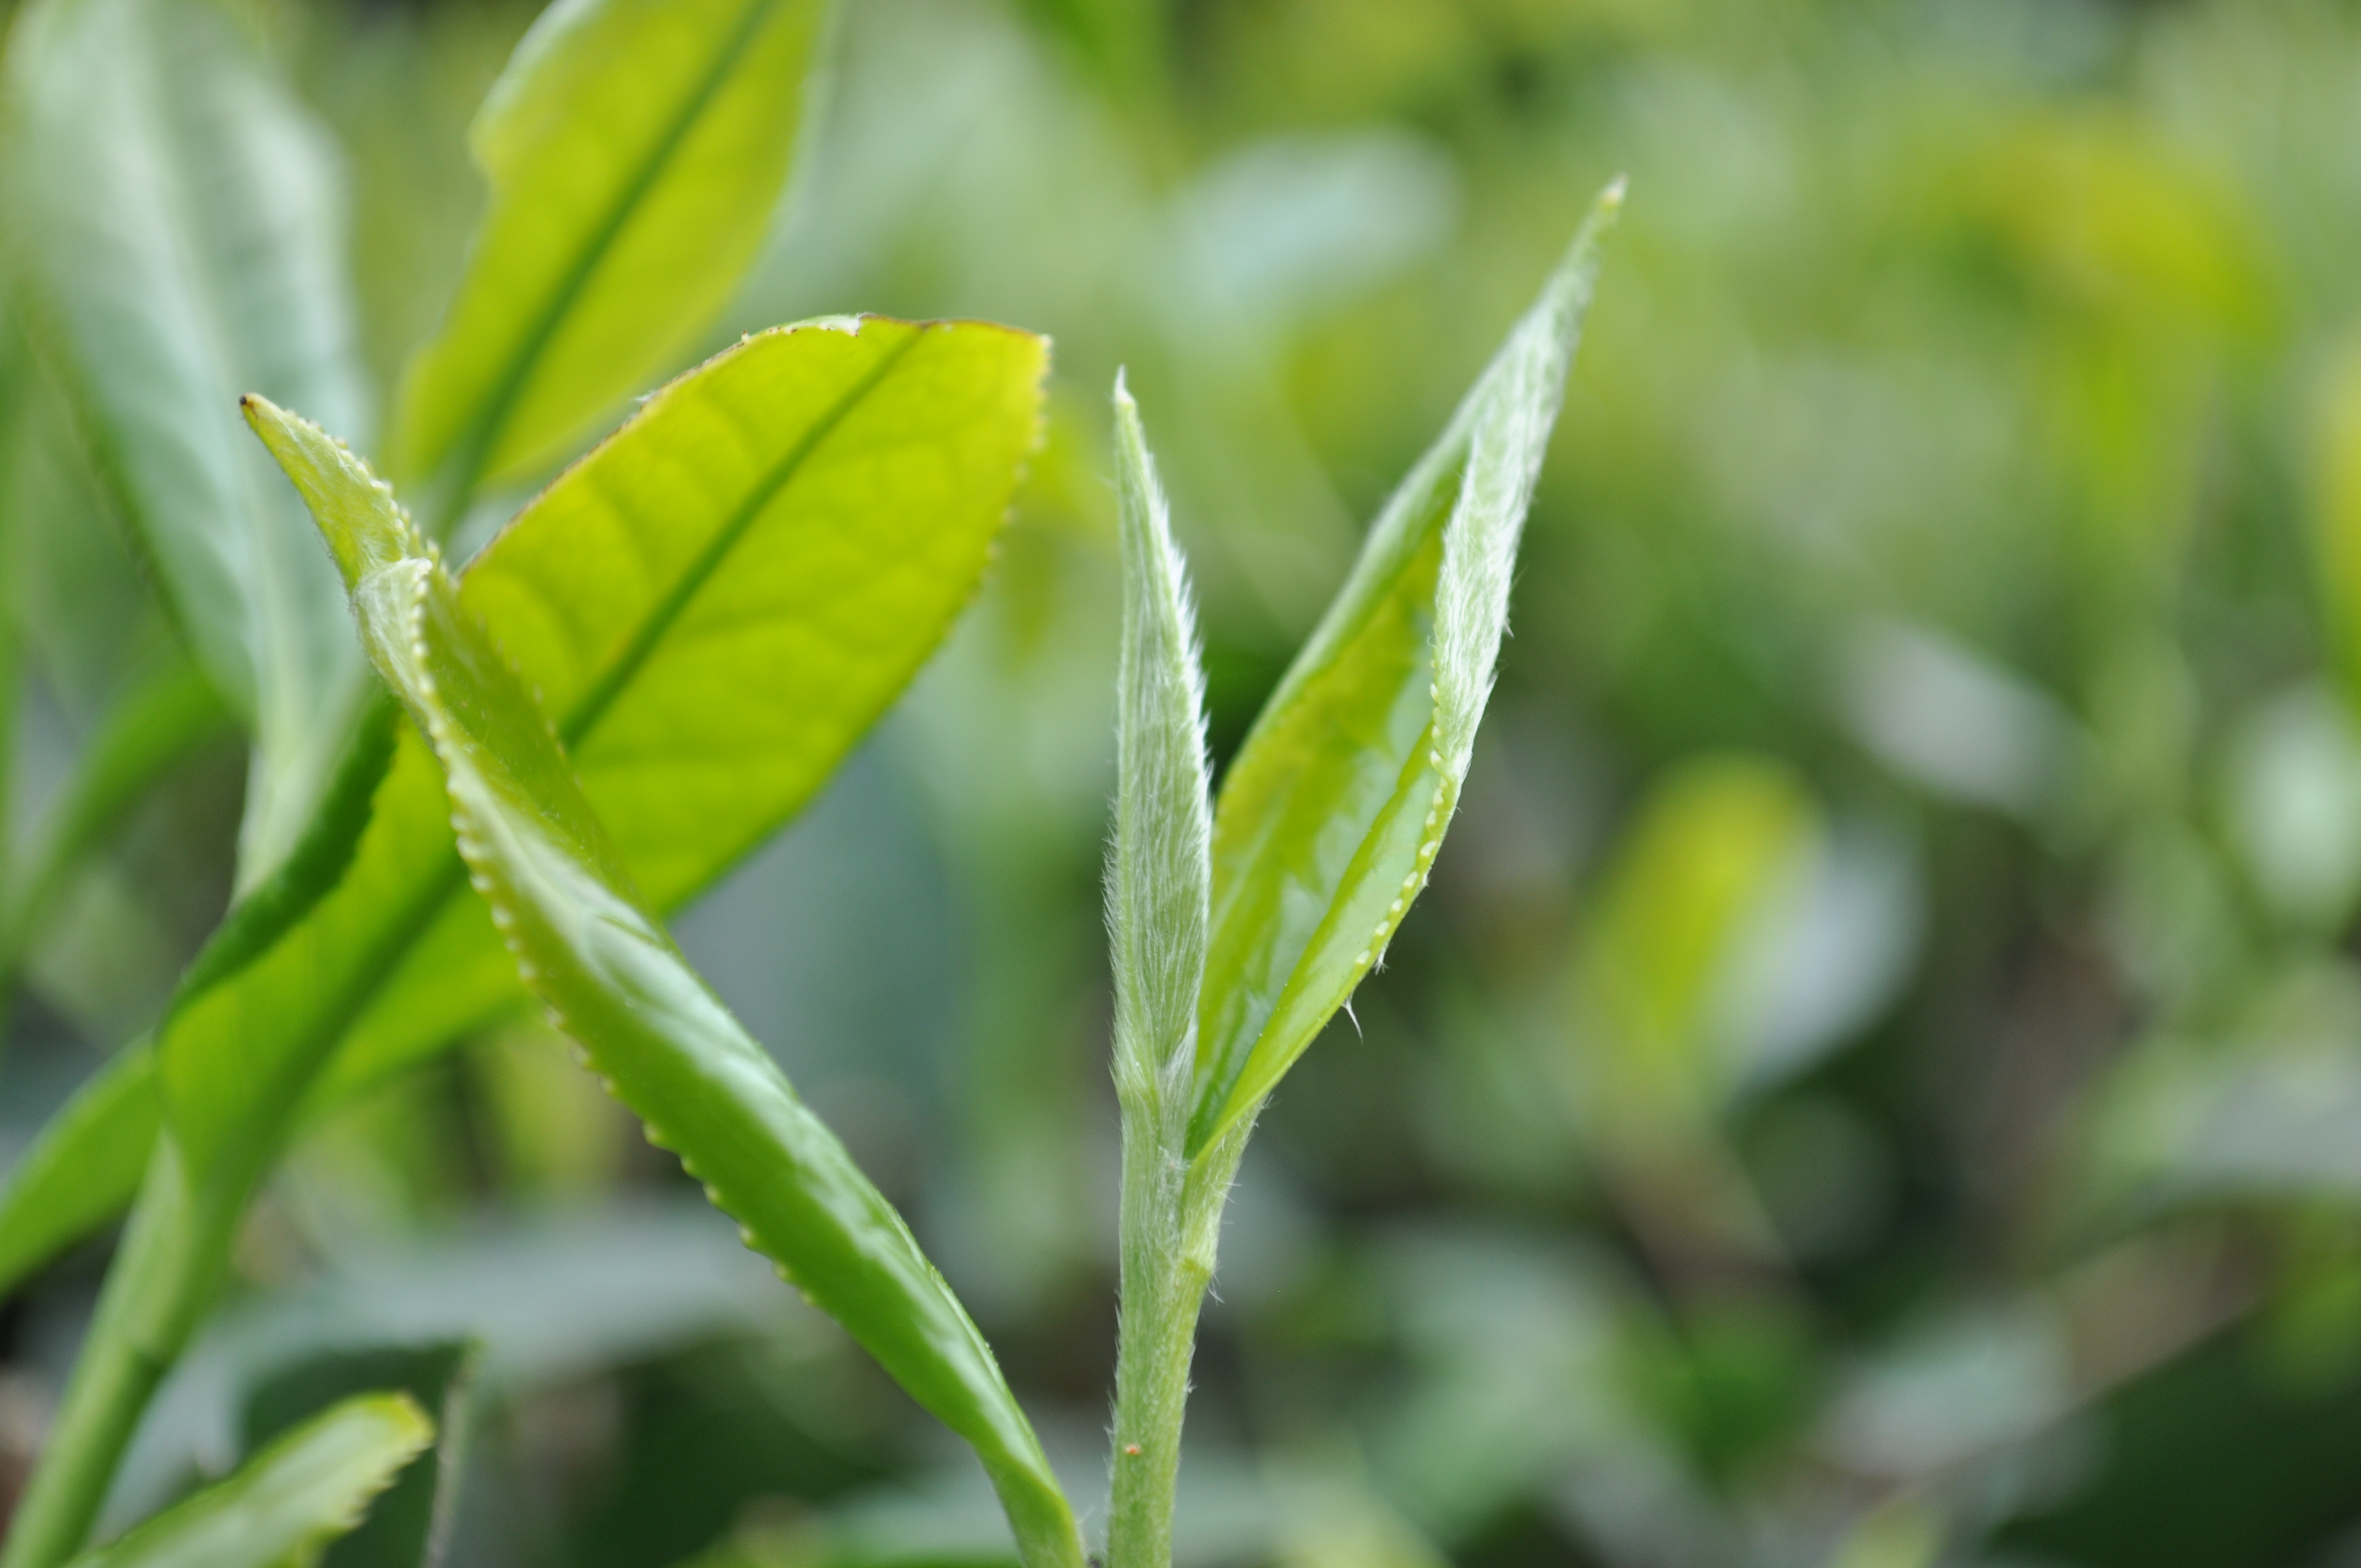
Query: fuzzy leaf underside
1329, 820
1158, 874
634, 150
589, 946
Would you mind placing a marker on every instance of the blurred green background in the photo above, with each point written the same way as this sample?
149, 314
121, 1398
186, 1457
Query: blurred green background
1877, 1082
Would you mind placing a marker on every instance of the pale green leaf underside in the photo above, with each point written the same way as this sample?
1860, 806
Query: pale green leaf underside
1331, 816
179, 234
288, 1501
590, 944
634, 151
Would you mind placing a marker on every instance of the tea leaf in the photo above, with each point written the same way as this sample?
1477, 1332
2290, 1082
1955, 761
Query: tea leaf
154, 726
410, 1524
309, 1487
634, 149
84, 1168
179, 230
721, 599
1159, 874
590, 944
1158, 880
780, 538
1331, 816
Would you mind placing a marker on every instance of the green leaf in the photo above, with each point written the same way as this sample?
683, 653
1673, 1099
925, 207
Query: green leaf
83, 1168
180, 237
802, 518
411, 1523
1331, 816
591, 947
1159, 876
284, 1504
635, 149
812, 507
1713, 844
155, 727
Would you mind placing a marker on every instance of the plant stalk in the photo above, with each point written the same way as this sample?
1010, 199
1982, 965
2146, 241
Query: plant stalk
1172, 1228
174, 1254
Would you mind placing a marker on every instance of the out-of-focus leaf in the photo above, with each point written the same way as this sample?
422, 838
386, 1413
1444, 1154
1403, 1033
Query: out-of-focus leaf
1946, 718
551, 1300
806, 512
2265, 1107
305, 1490
2294, 805
179, 230
593, 951
1711, 850
1330, 818
154, 726
411, 1522
634, 149
2337, 509
84, 1168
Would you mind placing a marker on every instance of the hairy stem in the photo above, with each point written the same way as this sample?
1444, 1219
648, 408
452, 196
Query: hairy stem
1171, 1227
175, 1251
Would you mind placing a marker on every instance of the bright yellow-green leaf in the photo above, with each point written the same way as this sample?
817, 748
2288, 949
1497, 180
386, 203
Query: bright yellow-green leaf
2336, 507
590, 944
177, 221
290, 1501
1331, 816
790, 530
635, 151
1708, 849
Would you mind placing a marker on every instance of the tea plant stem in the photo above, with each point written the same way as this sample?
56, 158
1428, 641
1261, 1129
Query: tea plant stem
1172, 1228
174, 1255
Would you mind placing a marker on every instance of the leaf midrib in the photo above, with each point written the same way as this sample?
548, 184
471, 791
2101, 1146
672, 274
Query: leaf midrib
489, 426
446, 878
593, 703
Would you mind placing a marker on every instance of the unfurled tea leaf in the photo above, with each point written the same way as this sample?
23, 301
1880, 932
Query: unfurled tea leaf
590, 947
635, 151
1330, 818
756, 564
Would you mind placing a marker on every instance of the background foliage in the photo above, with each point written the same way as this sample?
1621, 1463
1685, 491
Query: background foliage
1875, 1079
